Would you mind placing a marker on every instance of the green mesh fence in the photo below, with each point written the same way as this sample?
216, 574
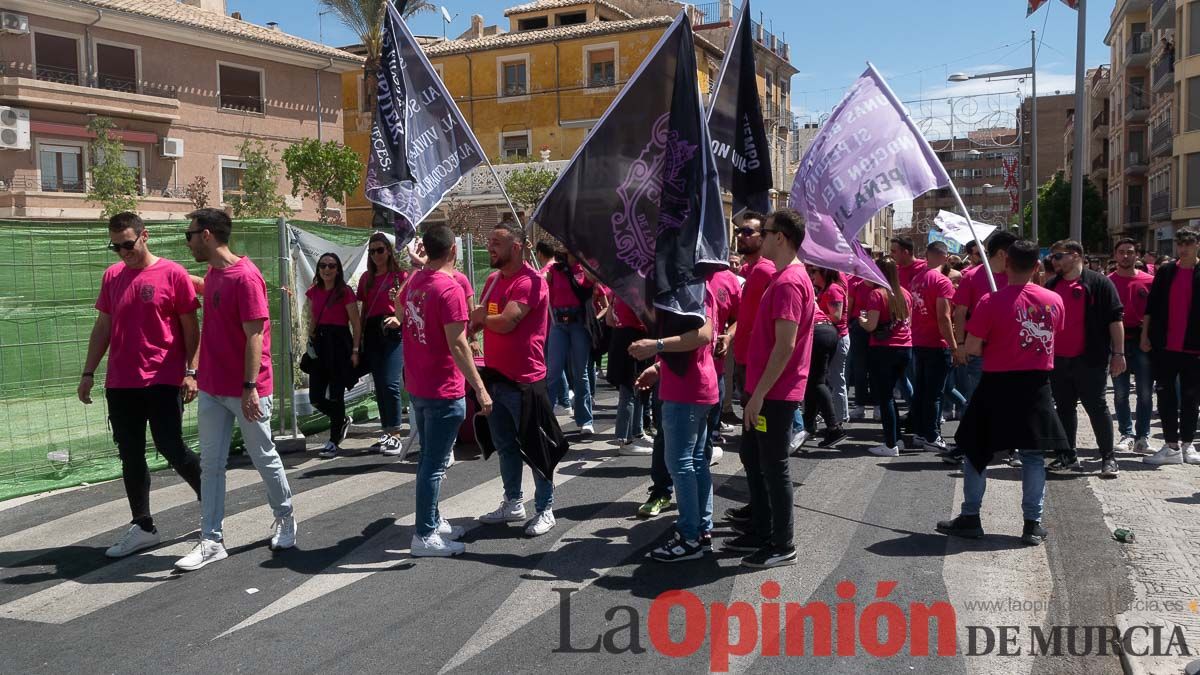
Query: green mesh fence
49, 277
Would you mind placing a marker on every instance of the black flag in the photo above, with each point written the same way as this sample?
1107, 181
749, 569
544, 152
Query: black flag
735, 122
640, 203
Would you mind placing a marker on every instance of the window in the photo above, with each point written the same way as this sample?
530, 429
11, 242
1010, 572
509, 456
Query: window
602, 67
514, 145
57, 58
117, 68
767, 111
133, 160
232, 173
533, 24
713, 76
514, 77
62, 168
240, 88
1193, 179
1193, 29
572, 18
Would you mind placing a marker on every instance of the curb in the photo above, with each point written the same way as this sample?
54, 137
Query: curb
1128, 665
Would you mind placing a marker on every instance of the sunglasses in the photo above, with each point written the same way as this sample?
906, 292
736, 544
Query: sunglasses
746, 231
1058, 256
187, 234
377, 251
125, 245
327, 266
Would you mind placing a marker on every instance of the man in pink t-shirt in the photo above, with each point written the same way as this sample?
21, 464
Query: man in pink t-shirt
758, 271
146, 322
907, 265
513, 315
1014, 331
726, 291
1133, 289
971, 288
776, 378
933, 343
235, 385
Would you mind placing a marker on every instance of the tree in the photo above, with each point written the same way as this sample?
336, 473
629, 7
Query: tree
260, 196
114, 183
197, 192
528, 186
1054, 214
322, 171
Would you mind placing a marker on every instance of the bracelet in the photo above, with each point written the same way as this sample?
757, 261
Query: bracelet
1118, 353
88, 374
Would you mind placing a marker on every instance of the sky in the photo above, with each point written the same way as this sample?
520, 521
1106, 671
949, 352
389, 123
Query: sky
916, 44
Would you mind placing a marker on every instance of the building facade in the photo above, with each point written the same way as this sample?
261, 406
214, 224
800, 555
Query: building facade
1055, 115
1130, 101
184, 83
1185, 149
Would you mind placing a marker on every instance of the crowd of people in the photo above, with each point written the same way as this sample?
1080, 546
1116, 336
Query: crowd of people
1012, 363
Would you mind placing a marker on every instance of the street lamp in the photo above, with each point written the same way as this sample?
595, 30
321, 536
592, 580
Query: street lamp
1031, 71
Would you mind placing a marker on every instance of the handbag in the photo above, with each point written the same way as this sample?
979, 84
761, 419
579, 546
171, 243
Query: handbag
309, 360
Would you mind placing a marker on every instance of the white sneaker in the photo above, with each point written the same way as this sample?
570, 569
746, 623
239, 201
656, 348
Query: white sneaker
435, 546
283, 533
329, 451
885, 451
798, 439
727, 428
1125, 444
541, 523
451, 532
587, 429
1166, 455
391, 446
134, 540
717, 454
936, 445
636, 448
509, 512
1142, 445
207, 551
1190, 456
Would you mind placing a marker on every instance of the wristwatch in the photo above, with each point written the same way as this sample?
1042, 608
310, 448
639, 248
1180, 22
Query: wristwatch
658, 344
190, 372
249, 386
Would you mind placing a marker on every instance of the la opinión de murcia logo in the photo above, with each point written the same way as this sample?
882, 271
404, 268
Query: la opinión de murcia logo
775, 627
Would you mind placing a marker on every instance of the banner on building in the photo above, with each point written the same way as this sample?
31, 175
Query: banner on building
421, 147
735, 123
867, 156
640, 202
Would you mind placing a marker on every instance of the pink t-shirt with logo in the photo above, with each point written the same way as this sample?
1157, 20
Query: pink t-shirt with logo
327, 310
519, 355
431, 301
974, 285
758, 277
698, 383
1018, 325
1069, 342
789, 297
146, 338
928, 287
901, 335
375, 294
561, 294
1134, 292
860, 295
726, 291
834, 294
1181, 305
910, 272
232, 296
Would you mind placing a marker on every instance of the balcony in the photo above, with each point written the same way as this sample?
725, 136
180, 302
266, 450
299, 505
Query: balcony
1160, 205
479, 187
1135, 163
1162, 14
1137, 107
1100, 124
159, 106
27, 196
1137, 49
1164, 72
1101, 83
1100, 168
240, 103
1134, 217
1160, 139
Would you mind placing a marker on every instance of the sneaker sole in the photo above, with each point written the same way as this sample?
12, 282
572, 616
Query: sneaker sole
141, 547
631, 453
436, 554
537, 534
503, 521
276, 547
961, 534
204, 563
768, 565
691, 556
647, 514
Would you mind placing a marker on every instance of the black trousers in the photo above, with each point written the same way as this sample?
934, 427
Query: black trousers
327, 385
765, 456
817, 396
329, 396
129, 411
859, 374
1179, 410
1072, 382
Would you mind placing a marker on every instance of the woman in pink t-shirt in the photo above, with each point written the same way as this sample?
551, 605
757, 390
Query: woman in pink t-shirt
381, 333
333, 330
887, 318
832, 300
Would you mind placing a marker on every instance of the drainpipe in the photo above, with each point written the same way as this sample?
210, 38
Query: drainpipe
88, 48
318, 72
470, 88
558, 88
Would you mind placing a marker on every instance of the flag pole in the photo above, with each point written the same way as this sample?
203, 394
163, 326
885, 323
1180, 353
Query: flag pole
1080, 103
887, 89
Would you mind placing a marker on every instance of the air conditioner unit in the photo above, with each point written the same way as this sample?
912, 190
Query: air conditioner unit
14, 24
172, 148
14, 128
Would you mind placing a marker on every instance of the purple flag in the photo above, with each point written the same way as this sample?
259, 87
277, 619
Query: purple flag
867, 156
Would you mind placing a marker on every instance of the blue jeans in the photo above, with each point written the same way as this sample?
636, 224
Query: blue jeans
1033, 485
684, 427
629, 414
387, 371
932, 367
437, 421
714, 419
951, 396
1137, 366
660, 476
836, 379
505, 423
969, 376
887, 366
570, 341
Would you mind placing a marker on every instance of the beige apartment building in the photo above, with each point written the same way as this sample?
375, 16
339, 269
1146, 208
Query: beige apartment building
1186, 145
1132, 43
185, 83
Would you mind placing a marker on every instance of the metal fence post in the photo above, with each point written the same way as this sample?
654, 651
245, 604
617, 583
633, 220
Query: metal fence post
285, 318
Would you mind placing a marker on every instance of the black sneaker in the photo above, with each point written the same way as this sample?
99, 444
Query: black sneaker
770, 556
1110, 469
678, 549
968, 527
742, 526
1063, 463
1033, 534
954, 456
738, 513
743, 543
706, 541
832, 436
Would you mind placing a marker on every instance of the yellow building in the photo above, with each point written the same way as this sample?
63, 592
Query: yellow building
534, 92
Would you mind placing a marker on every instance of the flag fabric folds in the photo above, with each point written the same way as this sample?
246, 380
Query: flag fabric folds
640, 202
735, 122
868, 155
421, 147
957, 229
1035, 5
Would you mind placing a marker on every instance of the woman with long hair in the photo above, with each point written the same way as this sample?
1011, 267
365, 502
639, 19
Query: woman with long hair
333, 327
381, 337
832, 301
887, 318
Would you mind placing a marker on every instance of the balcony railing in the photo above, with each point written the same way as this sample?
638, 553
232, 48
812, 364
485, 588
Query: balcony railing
57, 75
1164, 66
1135, 158
243, 103
1133, 213
122, 84
109, 82
1135, 102
1100, 164
1139, 43
1160, 204
1100, 120
481, 182
707, 13
1161, 133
